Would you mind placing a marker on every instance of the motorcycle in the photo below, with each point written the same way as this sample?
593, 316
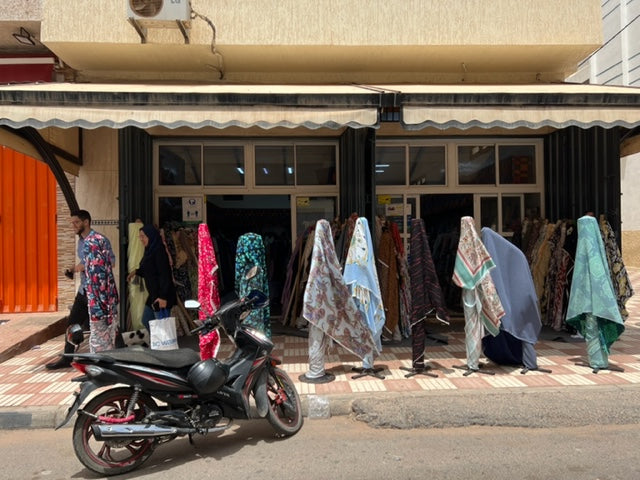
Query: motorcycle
170, 394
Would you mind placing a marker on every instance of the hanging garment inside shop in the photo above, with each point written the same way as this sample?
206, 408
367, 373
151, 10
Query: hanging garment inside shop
208, 291
387, 267
593, 308
482, 308
619, 276
520, 326
362, 279
331, 310
426, 295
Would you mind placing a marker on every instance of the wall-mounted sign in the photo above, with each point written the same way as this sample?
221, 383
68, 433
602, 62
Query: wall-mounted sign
397, 209
384, 199
302, 201
192, 209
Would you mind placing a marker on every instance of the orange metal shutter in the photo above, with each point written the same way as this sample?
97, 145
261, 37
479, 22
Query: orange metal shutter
28, 235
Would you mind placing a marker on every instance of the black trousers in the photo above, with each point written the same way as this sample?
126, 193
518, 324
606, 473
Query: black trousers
79, 315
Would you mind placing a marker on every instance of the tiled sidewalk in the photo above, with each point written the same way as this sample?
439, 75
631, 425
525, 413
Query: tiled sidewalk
24, 381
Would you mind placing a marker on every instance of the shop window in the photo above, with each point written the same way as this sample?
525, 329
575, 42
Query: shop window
180, 165
517, 164
274, 165
427, 165
489, 212
316, 165
224, 165
390, 165
476, 165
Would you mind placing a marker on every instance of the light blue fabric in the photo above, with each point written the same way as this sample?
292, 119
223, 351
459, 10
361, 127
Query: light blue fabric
592, 294
514, 284
361, 277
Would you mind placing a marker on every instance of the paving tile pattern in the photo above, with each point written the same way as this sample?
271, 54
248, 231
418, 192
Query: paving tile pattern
24, 380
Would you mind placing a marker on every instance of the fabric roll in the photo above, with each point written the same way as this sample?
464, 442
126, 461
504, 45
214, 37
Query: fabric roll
514, 285
250, 253
208, 291
328, 304
481, 304
137, 293
592, 295
426, 294
361, 277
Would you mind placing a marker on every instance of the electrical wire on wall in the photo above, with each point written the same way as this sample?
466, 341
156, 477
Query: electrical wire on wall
220, 66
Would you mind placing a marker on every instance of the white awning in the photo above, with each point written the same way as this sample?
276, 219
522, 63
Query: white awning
514, 106
175, 117
67, 105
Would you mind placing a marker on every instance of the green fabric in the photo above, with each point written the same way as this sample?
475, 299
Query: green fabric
591, 289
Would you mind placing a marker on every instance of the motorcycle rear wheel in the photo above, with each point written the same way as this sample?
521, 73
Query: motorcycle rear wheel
285, 409
112, 457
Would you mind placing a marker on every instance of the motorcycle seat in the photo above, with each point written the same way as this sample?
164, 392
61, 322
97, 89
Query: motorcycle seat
178, 358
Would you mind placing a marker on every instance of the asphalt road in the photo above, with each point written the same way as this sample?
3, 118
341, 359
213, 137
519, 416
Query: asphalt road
569, 434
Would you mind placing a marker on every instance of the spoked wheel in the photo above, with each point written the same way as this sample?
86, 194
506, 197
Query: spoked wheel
285, 409
112, 457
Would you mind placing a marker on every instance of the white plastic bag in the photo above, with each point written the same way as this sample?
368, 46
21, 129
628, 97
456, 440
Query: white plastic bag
163, 335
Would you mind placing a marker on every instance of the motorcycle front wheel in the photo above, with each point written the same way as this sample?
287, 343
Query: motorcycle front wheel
112, 457
285, 409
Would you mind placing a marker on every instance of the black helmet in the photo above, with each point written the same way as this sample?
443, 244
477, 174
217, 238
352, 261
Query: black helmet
207, 376
75, 335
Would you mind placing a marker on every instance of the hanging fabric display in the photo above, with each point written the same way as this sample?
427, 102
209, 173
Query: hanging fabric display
136, 289
208, 291
520, 326
388, 277
362, 279
426, 295
250, 253
481, 304
619, 276
330, 309
593, 309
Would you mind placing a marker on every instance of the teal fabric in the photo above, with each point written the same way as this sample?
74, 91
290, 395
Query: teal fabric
592, 294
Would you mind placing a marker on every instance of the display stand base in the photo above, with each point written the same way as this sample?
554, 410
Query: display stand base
537, 369
326, 378
612, 368
363, 372
418, 371
469, 370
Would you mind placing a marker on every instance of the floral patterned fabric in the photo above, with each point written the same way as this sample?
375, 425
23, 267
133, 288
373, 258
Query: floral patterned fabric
208, 290
619, 276
102, 294
481, 304
593, 309
328, 304
362, 279
249, 253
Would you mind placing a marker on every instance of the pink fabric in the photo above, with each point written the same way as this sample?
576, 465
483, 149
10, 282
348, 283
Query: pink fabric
208, 290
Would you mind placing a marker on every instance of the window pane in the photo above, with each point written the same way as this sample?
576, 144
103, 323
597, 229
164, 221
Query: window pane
274, 165
180, 164
427, 165
170, 209
224, 165
489, 212
311, 209
476, 165
390, 166
532, 205
517, 164
316, 165
511, 214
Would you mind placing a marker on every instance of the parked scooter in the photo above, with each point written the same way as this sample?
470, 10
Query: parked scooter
118, 429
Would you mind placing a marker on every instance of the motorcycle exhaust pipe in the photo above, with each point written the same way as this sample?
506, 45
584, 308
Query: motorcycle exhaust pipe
103, 432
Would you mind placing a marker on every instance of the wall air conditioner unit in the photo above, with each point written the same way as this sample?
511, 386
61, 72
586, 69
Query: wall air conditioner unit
145, 14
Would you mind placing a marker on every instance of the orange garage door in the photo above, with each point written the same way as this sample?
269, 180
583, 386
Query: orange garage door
28, 263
